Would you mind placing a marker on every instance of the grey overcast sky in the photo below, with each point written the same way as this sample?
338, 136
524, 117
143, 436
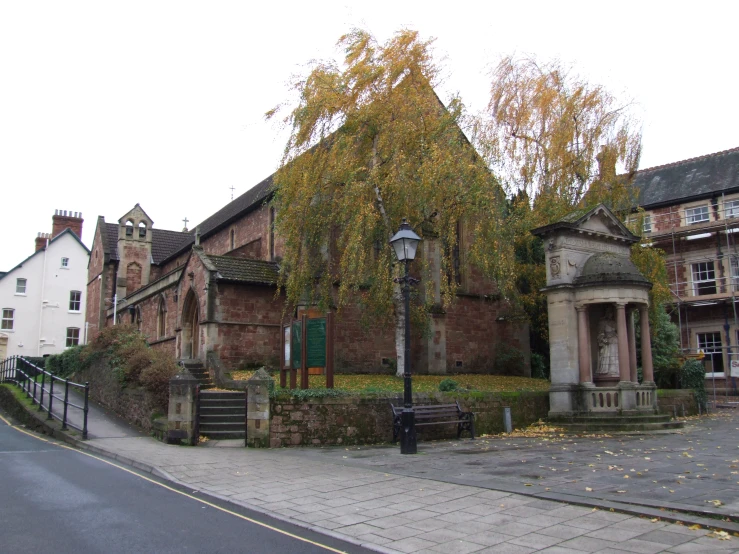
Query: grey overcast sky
105, 104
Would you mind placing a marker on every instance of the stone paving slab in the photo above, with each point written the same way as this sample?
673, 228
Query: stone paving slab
688, 469
428, 516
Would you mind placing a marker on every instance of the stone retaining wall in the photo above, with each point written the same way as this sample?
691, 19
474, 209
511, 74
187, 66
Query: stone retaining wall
134, 404
669, 400
352, 420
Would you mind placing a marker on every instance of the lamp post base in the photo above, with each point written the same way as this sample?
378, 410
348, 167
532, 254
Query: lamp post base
408, 432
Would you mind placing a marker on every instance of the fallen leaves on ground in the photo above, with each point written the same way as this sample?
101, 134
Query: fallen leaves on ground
720, 535
421, 383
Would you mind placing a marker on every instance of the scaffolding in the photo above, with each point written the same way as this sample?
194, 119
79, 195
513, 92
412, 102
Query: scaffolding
712, 278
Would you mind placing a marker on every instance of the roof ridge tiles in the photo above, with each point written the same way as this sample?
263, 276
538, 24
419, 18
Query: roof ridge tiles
688, 160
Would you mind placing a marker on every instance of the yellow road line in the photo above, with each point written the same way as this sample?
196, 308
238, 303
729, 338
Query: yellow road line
250, 520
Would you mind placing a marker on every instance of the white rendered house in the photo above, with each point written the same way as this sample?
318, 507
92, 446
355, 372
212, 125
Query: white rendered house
42, 299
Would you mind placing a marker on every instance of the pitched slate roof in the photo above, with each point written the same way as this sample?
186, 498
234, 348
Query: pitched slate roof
693, 178
163, 242
250, 200
244, 271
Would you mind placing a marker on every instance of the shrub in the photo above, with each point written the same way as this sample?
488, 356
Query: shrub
539, 367
448, 385
156, 375
692, 376
66, 363
509, 360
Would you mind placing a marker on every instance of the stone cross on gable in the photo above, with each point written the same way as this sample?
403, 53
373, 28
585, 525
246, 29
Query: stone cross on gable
232, 192
185, 222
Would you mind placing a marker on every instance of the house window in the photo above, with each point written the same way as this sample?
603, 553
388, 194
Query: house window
699, 214
20, 286
73, 336
704, 279
65, 262
735, 272
647, 224
731, 208
710, 343
7, 323
75, 299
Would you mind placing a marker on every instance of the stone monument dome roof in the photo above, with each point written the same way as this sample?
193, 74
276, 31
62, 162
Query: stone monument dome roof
608, 268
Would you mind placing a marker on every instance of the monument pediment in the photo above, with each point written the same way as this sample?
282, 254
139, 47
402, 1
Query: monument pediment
598, 221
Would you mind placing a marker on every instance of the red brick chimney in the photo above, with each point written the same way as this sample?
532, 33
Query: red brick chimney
41, 240
63, 219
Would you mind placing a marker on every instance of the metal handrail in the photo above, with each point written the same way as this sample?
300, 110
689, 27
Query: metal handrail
24, 374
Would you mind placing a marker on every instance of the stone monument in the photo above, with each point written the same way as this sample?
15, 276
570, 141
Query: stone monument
593, 291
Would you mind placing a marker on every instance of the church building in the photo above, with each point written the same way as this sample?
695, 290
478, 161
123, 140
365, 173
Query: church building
210, 295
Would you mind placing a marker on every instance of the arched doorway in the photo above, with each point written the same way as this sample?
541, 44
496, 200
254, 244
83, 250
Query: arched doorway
191, 327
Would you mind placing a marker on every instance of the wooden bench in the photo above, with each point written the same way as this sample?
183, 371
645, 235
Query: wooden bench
436, 414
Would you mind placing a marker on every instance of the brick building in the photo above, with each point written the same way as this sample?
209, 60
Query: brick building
210, 293
692, 213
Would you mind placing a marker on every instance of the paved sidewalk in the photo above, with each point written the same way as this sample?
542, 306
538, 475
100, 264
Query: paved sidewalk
376, 498
689, 469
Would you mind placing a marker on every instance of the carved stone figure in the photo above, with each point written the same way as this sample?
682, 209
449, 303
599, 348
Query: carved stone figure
607, 345
554, 267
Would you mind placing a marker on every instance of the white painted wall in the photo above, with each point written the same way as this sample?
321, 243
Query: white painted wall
42, 315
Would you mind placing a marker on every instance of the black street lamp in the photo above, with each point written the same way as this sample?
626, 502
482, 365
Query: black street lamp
405, 242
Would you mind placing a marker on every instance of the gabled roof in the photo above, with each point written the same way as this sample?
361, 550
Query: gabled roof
250, 200
693, 178
238, 270
163, 242
56, 238
574, 221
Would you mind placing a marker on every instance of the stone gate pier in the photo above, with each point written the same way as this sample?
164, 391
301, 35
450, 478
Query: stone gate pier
593, 293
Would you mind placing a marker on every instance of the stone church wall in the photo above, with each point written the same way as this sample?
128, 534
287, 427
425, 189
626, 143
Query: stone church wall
249, 325
473, 335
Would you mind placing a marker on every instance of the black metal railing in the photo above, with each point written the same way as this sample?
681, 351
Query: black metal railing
39, 386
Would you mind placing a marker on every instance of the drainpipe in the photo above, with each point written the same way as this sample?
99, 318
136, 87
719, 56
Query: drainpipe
41, 309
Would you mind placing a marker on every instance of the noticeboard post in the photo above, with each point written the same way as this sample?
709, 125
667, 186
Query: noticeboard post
308, 343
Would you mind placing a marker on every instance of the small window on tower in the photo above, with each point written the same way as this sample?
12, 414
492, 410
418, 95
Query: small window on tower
65, 262
129, 228
142, 230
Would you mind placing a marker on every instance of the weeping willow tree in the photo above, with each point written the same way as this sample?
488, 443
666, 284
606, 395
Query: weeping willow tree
370, 144
559, 143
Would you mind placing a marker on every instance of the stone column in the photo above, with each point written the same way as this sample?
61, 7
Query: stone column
181, 412
583, 344
623, 343
646, 345
632, 345
257, 409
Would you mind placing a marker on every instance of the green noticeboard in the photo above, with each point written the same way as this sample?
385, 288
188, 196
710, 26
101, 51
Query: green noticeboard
296, 336
316, 339
316, 342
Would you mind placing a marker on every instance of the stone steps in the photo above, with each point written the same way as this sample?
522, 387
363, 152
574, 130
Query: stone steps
222, 415
198, 370
612, 423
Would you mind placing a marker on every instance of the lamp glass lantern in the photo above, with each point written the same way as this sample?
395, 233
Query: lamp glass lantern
405, 242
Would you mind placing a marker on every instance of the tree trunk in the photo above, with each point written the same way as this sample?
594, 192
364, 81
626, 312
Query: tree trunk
399, 329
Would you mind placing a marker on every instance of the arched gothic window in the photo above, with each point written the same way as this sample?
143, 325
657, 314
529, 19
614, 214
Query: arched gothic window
162, 318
